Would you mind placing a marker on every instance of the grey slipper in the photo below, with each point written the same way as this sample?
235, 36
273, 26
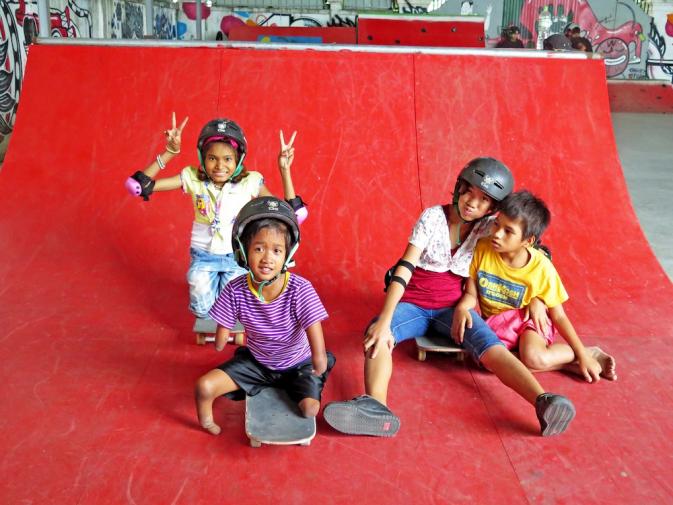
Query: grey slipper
363, 415
554, 413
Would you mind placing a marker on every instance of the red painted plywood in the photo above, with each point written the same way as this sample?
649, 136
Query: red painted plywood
98, 357
420, 31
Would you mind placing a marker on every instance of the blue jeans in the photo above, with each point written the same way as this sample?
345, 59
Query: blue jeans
410, 321
208, 274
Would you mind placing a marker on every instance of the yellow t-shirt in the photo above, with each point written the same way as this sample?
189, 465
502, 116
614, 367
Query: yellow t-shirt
209, 200
502, 287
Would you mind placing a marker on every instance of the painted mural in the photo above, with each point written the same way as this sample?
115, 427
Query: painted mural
660, 49
127, 20
617, 29
221, 21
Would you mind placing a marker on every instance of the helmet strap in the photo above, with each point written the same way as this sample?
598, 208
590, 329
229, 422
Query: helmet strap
460, 224
239, 168
261, 284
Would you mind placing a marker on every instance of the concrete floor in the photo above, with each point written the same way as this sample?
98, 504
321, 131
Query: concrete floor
645, 146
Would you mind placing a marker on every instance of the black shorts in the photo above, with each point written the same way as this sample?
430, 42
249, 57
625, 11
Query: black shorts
251, 376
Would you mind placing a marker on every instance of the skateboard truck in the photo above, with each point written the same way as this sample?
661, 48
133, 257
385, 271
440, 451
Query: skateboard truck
205, 332
444, 345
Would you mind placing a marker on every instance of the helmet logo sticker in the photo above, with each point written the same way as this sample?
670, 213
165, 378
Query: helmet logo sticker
273, 205
222, 127
487, 181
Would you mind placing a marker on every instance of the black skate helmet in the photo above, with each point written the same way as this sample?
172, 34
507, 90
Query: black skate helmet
487, 174
261, 208
223, 130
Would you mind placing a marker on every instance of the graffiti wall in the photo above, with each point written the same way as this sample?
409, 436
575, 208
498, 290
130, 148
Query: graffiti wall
127, 21
617, 29
218, 22
660, 49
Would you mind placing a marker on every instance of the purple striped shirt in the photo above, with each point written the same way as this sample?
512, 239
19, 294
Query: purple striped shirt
275, 331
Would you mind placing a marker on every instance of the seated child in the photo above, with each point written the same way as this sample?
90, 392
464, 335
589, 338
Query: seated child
424, 288
506, 273
281, 313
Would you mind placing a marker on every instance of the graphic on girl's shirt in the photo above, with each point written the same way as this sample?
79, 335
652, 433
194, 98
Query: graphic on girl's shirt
203, 204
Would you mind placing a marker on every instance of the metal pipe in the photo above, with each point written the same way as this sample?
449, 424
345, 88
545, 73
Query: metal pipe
509, 53
149, 18
43, 18
199, 35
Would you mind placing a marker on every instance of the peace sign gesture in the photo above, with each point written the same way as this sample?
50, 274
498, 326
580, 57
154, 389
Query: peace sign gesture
286, 155
173, 136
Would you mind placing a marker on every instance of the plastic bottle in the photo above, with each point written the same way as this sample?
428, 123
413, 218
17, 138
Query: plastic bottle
544, 23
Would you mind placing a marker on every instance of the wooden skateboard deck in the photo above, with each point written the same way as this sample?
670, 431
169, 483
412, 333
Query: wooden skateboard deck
271, 417
205, 332
437, 344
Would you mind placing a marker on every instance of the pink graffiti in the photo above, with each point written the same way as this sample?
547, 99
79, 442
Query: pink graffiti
189, 8
229, 22
669, 25
613, 44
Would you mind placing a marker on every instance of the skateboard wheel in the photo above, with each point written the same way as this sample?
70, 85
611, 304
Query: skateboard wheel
255, 443
239, 339
421, 355
307, 443
200, 339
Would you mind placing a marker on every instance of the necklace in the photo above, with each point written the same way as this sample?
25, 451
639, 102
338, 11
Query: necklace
215, 223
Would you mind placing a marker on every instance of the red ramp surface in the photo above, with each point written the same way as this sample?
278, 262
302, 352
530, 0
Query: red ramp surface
98, 357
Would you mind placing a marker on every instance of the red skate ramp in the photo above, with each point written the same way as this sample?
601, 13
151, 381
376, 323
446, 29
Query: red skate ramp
98, 357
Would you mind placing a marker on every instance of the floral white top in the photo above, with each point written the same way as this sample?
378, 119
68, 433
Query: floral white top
431, 235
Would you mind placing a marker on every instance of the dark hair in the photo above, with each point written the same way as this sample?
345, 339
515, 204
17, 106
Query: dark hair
582, 41
275, 224
529, 210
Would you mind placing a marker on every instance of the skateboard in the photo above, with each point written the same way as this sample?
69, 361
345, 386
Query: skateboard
205, 332
438, 344
272, 418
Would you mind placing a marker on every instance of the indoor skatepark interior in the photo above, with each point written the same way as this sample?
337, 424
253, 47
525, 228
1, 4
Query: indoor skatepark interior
99, 360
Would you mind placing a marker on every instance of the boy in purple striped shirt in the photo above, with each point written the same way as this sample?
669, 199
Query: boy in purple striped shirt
281, 313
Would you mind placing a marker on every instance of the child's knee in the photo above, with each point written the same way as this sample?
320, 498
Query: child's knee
534, 359
309, 407
205, 388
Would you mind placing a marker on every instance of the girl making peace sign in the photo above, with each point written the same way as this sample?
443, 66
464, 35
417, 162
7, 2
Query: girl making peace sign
219, 186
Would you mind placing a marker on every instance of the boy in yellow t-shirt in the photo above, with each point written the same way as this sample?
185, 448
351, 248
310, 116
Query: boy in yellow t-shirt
506, 273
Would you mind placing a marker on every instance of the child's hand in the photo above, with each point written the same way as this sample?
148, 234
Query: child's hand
319, 364
286, 155
378, 335
590, 368
173, 136
536, 311
461, 319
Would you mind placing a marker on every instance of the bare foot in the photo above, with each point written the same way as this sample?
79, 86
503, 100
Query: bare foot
210, 426
607, 362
